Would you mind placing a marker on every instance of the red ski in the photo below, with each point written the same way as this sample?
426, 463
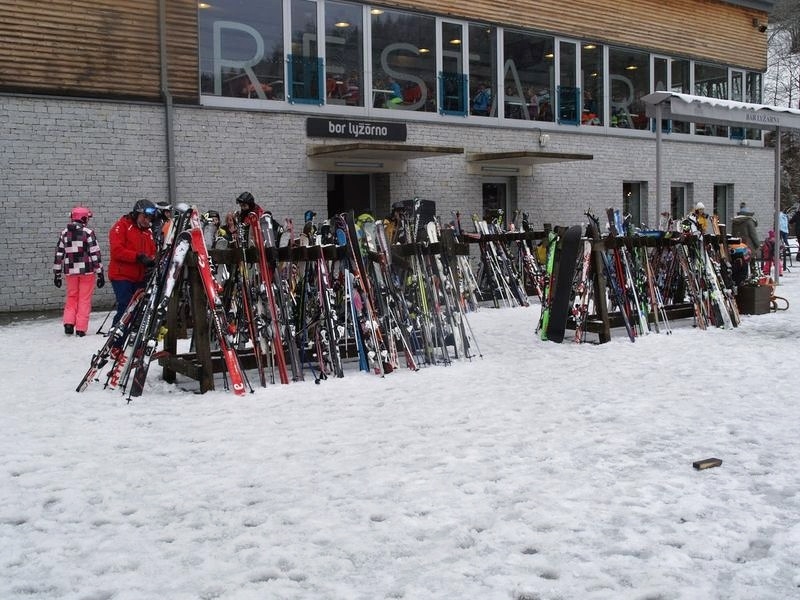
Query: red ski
218, 318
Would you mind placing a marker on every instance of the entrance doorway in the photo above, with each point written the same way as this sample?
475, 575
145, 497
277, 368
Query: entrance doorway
349, 192
361, 192
499, 199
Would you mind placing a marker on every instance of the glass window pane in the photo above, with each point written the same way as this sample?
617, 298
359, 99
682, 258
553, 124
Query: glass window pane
452, 84
592, 83
753, 94
241, 49
483, 70
710, 81
304, 64
629, 75
403, 61
680, 84
344, 40
632, 203
528, 76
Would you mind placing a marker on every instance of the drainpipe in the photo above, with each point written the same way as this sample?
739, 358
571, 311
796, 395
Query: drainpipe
165, 94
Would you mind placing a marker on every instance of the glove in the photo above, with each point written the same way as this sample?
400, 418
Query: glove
146, 260
101, 280
57, 280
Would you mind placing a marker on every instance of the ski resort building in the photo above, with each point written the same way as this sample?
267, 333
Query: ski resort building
332, 105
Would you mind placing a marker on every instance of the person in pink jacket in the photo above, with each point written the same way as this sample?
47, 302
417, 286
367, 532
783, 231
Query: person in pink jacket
79, 261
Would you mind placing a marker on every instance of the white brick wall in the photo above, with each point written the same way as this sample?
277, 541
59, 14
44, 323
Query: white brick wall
56, 153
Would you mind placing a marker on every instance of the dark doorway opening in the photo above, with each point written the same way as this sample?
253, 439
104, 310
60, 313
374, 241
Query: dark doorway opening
348, 192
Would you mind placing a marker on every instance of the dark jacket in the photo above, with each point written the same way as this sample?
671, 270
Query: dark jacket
744, 226
795, 220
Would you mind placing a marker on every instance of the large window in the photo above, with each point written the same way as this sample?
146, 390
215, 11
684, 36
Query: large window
629, 81
304, 62
528, 76
680, 82
592, 84
241, 49
723, 202
483, 70
341, 53
753, 93
570, 105
403, 61
344, 68
453, 93
633, 202
710, 81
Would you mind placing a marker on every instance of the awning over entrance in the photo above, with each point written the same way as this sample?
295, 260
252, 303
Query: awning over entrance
363, 157
699, 109
516, 163
685, 107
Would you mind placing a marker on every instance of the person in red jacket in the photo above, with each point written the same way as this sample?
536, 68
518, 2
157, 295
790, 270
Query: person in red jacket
133, 252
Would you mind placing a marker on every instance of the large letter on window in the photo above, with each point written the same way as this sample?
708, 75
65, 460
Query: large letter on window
245, 65
423, 89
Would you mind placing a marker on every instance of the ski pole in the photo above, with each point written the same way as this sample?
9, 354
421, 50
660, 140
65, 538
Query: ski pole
100, 329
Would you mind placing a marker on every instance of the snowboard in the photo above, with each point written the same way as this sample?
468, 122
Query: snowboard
571, 247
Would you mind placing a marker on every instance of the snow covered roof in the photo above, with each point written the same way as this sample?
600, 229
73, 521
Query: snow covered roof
686, 107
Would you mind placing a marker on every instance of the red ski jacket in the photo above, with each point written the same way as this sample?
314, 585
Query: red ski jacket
127, 242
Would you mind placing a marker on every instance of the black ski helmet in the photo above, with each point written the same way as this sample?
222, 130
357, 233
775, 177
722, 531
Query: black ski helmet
144, 207
246, 198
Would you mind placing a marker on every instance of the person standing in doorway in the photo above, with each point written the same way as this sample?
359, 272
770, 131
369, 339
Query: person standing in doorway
78, 259
133, 253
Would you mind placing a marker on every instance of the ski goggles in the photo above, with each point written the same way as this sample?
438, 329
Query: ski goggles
150, 211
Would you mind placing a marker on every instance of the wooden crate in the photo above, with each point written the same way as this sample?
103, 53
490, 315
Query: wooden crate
753, 300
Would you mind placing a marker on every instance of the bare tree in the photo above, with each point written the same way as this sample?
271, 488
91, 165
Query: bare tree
782, 80
782, 88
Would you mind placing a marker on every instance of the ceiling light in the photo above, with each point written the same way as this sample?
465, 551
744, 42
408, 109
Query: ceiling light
549, 55
358, 164
631, 67
455, 42
342, 24
589, 47
203, 5
376, 11
424, 50
499, 169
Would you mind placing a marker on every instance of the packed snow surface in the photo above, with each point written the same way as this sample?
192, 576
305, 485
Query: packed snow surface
537, 472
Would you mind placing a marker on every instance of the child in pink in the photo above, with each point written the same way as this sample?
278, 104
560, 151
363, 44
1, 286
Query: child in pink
78, 259
768, 253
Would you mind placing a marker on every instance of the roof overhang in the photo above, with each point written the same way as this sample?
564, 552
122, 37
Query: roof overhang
516, 163
363, 157
686, 107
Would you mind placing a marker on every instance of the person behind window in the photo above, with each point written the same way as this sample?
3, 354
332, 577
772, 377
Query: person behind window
78, 258
482, 101
396, 95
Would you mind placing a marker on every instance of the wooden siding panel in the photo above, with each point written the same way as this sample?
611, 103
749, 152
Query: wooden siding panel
716, 31
110, 47
97, 48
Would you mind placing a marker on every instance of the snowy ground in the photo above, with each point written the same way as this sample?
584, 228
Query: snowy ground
541, 471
